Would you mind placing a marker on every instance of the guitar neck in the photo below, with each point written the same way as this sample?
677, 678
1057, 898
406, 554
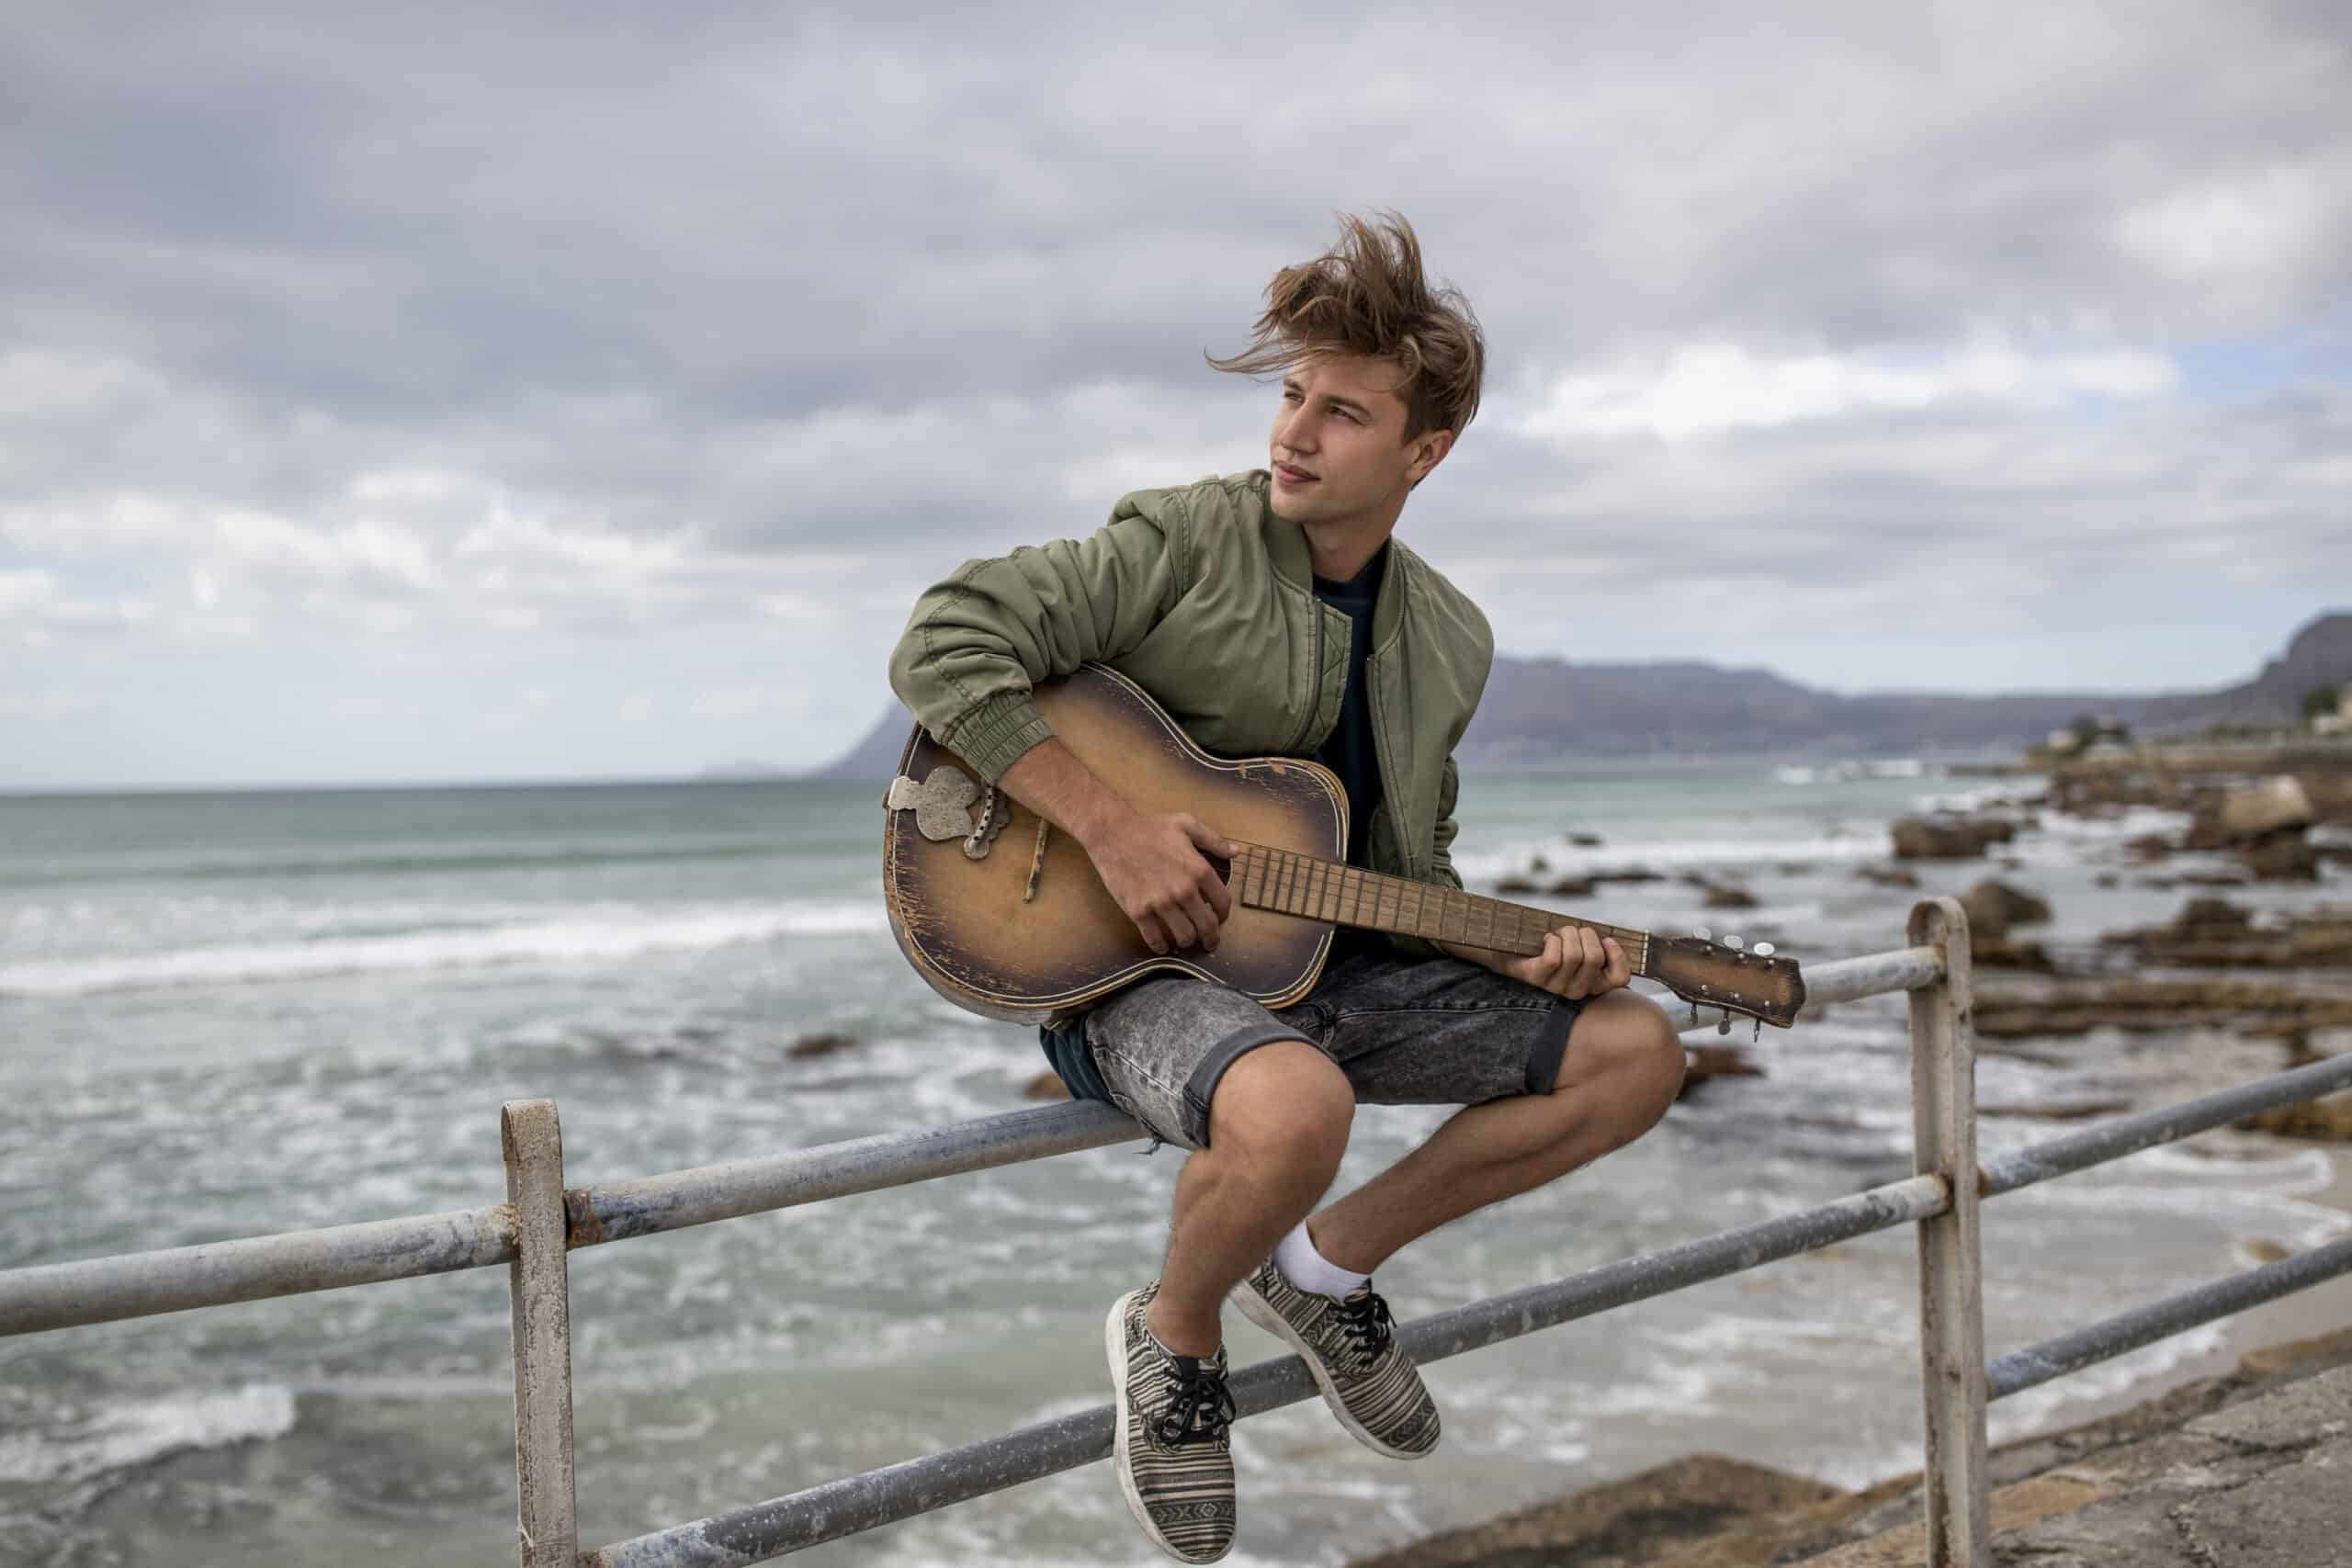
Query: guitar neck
1292, 884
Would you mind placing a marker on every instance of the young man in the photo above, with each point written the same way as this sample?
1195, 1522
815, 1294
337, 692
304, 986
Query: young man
1271, 613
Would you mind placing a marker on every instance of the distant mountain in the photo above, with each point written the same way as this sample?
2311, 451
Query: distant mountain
1548, 708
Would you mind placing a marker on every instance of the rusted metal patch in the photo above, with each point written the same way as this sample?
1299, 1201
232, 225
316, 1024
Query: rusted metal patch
581, 1227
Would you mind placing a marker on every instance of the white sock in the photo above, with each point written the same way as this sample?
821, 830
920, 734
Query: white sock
1296, 1256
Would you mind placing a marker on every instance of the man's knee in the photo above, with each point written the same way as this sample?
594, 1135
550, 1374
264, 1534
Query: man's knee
1624, 1051
1283, 1102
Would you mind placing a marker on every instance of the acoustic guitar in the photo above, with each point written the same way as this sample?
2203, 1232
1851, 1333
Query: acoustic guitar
1004, 915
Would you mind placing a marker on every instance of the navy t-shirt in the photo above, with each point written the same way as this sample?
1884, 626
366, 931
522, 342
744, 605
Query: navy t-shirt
1349, 750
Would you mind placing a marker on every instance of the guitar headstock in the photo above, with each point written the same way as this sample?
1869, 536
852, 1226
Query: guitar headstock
1748, 981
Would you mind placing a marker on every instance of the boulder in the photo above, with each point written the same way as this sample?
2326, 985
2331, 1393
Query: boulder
1993, 906
818, 1045
1701, 1063
1515, 885
2283, 856
2275, 803
1949, 837
1585, 841
1887, 876
1045, 1085
1730, 898
2327, 1119
1571, 887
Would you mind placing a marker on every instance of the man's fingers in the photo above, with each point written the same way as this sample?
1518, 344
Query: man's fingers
1147, 927
1218, 896
1620, 966
1180, 930
1203, 923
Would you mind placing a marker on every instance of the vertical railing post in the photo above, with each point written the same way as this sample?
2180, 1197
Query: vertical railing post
1951, 1296
539, 1284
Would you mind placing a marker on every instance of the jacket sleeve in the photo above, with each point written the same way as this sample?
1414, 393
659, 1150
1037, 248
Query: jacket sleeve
979, 642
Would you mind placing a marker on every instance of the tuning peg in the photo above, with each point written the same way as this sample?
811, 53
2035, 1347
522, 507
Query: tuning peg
1765, 950
1758, 1031
1694, 1015
1723, 1024
1733, 941
1703, 934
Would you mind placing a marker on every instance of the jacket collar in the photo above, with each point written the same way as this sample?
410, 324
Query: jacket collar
1286, 544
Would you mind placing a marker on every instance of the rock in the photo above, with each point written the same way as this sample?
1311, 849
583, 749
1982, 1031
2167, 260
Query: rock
1515, 885
1922, 837
2283, 856
818, 1045
1704, 1062
1045, 1085
2070, 1111
1796, 868
2148, 847
1993, 906
1887, 876
1571, 887
2277, 802
2145, 1006
1585, 841
2327, 1119
2106, 879
1730, 898
1538, 866
1632, 874
2007, 953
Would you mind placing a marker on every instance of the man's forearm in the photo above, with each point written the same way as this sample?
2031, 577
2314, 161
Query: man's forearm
1050, 781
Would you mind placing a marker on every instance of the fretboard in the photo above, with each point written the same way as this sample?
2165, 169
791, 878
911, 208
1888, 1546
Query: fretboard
1300, 885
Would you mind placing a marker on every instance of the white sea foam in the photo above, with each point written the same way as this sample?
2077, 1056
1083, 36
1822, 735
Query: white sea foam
584, 935
121, 1437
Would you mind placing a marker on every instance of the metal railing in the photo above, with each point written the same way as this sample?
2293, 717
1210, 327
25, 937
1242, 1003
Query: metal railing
542, 1222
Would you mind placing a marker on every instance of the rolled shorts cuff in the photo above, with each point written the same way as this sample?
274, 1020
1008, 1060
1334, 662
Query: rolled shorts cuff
1551, 1045
1201, 1087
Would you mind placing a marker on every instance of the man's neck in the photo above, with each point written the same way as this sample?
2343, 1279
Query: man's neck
1340, 551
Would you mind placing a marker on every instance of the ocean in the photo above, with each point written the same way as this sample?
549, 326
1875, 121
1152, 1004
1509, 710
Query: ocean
231, 1014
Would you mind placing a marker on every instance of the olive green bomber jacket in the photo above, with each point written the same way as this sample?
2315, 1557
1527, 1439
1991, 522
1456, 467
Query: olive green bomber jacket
1205, 598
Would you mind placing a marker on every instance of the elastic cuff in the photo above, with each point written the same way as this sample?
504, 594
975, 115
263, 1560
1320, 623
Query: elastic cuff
1551, 1045
1201, 1087
994, 735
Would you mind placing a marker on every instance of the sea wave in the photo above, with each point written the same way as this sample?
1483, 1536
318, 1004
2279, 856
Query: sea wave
391, 860
599, 934
124, 1436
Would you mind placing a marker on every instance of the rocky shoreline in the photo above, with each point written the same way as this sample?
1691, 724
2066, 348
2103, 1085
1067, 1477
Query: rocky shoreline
2256, 955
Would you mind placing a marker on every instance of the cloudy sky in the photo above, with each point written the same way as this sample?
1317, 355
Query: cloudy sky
428, 391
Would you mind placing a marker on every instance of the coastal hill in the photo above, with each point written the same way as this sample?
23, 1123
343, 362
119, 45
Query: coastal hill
1542, 709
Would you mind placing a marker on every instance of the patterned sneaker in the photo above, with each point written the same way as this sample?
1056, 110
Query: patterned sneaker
1367, 1379
1174, 1452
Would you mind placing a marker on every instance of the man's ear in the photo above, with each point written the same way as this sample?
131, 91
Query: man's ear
1430, 448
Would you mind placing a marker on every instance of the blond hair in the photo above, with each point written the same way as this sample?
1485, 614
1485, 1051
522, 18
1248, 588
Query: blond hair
1368, 295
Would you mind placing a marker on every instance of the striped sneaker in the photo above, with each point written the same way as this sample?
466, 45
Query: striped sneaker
1367, 1378
1174, 1450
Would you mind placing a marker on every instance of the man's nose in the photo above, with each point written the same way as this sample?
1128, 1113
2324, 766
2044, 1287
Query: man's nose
1294, 430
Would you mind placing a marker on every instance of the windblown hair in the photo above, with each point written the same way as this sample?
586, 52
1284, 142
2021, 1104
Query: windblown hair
1368, 295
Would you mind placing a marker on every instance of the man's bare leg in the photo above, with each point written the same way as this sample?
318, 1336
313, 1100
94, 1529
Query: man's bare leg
1623, 1068
1278, 1125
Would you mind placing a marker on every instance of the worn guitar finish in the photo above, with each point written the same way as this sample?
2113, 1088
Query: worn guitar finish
1003, 914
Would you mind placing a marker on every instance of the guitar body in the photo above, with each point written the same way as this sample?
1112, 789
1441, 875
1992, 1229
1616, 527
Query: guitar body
995, 939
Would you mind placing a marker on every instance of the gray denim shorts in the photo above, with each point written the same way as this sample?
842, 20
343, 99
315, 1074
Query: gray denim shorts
1406, 1032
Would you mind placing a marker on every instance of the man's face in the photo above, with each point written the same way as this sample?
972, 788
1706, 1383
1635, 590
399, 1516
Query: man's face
1338, 450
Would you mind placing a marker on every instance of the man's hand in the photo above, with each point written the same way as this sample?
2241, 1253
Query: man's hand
1576, 962
1152, 866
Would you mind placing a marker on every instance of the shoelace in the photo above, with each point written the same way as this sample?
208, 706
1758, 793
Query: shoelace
1368, 1324
1200, 1407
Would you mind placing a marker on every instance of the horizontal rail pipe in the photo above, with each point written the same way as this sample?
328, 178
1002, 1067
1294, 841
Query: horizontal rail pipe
2144, 1326
2130, 1135
141, 1284
857, 1503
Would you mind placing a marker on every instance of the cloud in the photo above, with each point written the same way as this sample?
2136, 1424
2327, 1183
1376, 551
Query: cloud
533, 327
1702, 389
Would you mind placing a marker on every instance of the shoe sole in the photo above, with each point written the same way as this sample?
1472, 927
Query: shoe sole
1261, 1310
1115, 1350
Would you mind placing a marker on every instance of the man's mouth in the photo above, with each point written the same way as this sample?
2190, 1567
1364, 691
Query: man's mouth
1291, 474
